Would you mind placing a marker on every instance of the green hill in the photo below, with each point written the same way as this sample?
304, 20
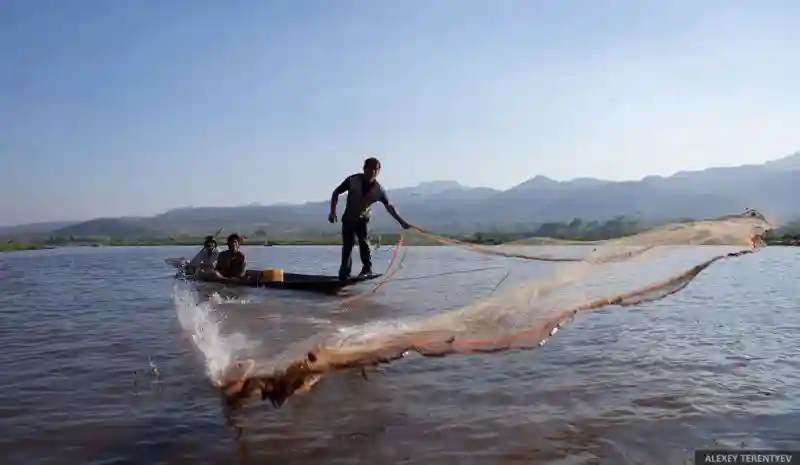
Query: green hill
107, 229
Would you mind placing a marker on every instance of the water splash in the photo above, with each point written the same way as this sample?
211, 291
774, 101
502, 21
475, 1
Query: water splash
203, 322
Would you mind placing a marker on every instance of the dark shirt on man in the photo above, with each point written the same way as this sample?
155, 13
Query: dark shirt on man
366, 188
231, 264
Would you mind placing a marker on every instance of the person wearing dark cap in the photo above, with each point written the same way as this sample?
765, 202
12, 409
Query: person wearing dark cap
206, 259
232, 263
362, 190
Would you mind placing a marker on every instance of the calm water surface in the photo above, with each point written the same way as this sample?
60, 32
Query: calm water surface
713, 366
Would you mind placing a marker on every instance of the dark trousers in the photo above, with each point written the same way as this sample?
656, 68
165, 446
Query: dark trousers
353, 231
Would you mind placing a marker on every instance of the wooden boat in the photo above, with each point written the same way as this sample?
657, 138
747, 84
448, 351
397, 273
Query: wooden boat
277, 279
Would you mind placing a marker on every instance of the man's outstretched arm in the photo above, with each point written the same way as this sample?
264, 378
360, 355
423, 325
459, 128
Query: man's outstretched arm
341, 189
393, 211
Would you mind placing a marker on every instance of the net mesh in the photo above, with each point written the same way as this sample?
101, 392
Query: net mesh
620, 272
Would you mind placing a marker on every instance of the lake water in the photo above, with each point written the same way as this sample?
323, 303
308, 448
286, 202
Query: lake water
713, 366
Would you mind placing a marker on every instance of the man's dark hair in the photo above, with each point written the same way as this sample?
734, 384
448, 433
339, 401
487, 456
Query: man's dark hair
209, 240
235, 237
372, 162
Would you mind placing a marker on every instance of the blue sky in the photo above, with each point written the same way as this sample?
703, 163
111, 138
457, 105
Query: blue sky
133, 107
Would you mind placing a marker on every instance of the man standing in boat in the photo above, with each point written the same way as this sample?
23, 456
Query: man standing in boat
363, 190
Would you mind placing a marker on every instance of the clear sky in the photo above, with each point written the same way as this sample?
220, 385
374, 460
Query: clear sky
133, 107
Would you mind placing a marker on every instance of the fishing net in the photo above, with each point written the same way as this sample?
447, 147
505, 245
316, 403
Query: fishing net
620, 272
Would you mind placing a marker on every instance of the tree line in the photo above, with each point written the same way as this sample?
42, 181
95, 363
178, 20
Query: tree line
788, 234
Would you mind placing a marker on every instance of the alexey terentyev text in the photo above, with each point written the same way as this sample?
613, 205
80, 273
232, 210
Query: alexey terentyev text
732, 457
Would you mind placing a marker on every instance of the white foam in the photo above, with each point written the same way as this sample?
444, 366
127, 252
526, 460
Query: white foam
204, 322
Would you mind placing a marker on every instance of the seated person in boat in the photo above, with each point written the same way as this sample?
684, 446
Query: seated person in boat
231, 263
206, 259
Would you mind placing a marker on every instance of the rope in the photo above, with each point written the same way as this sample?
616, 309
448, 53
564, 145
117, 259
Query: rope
347, 302
389, 274
486, 251
448, 273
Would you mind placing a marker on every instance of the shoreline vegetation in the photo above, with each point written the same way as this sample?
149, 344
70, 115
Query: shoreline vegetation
576, 232
17, 247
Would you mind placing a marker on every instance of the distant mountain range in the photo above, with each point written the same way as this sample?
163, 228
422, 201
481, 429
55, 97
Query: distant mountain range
447, 206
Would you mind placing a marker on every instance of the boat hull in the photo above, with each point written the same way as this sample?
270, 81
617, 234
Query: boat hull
291, 281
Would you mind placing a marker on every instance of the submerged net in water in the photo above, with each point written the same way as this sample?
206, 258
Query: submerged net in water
620, 272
